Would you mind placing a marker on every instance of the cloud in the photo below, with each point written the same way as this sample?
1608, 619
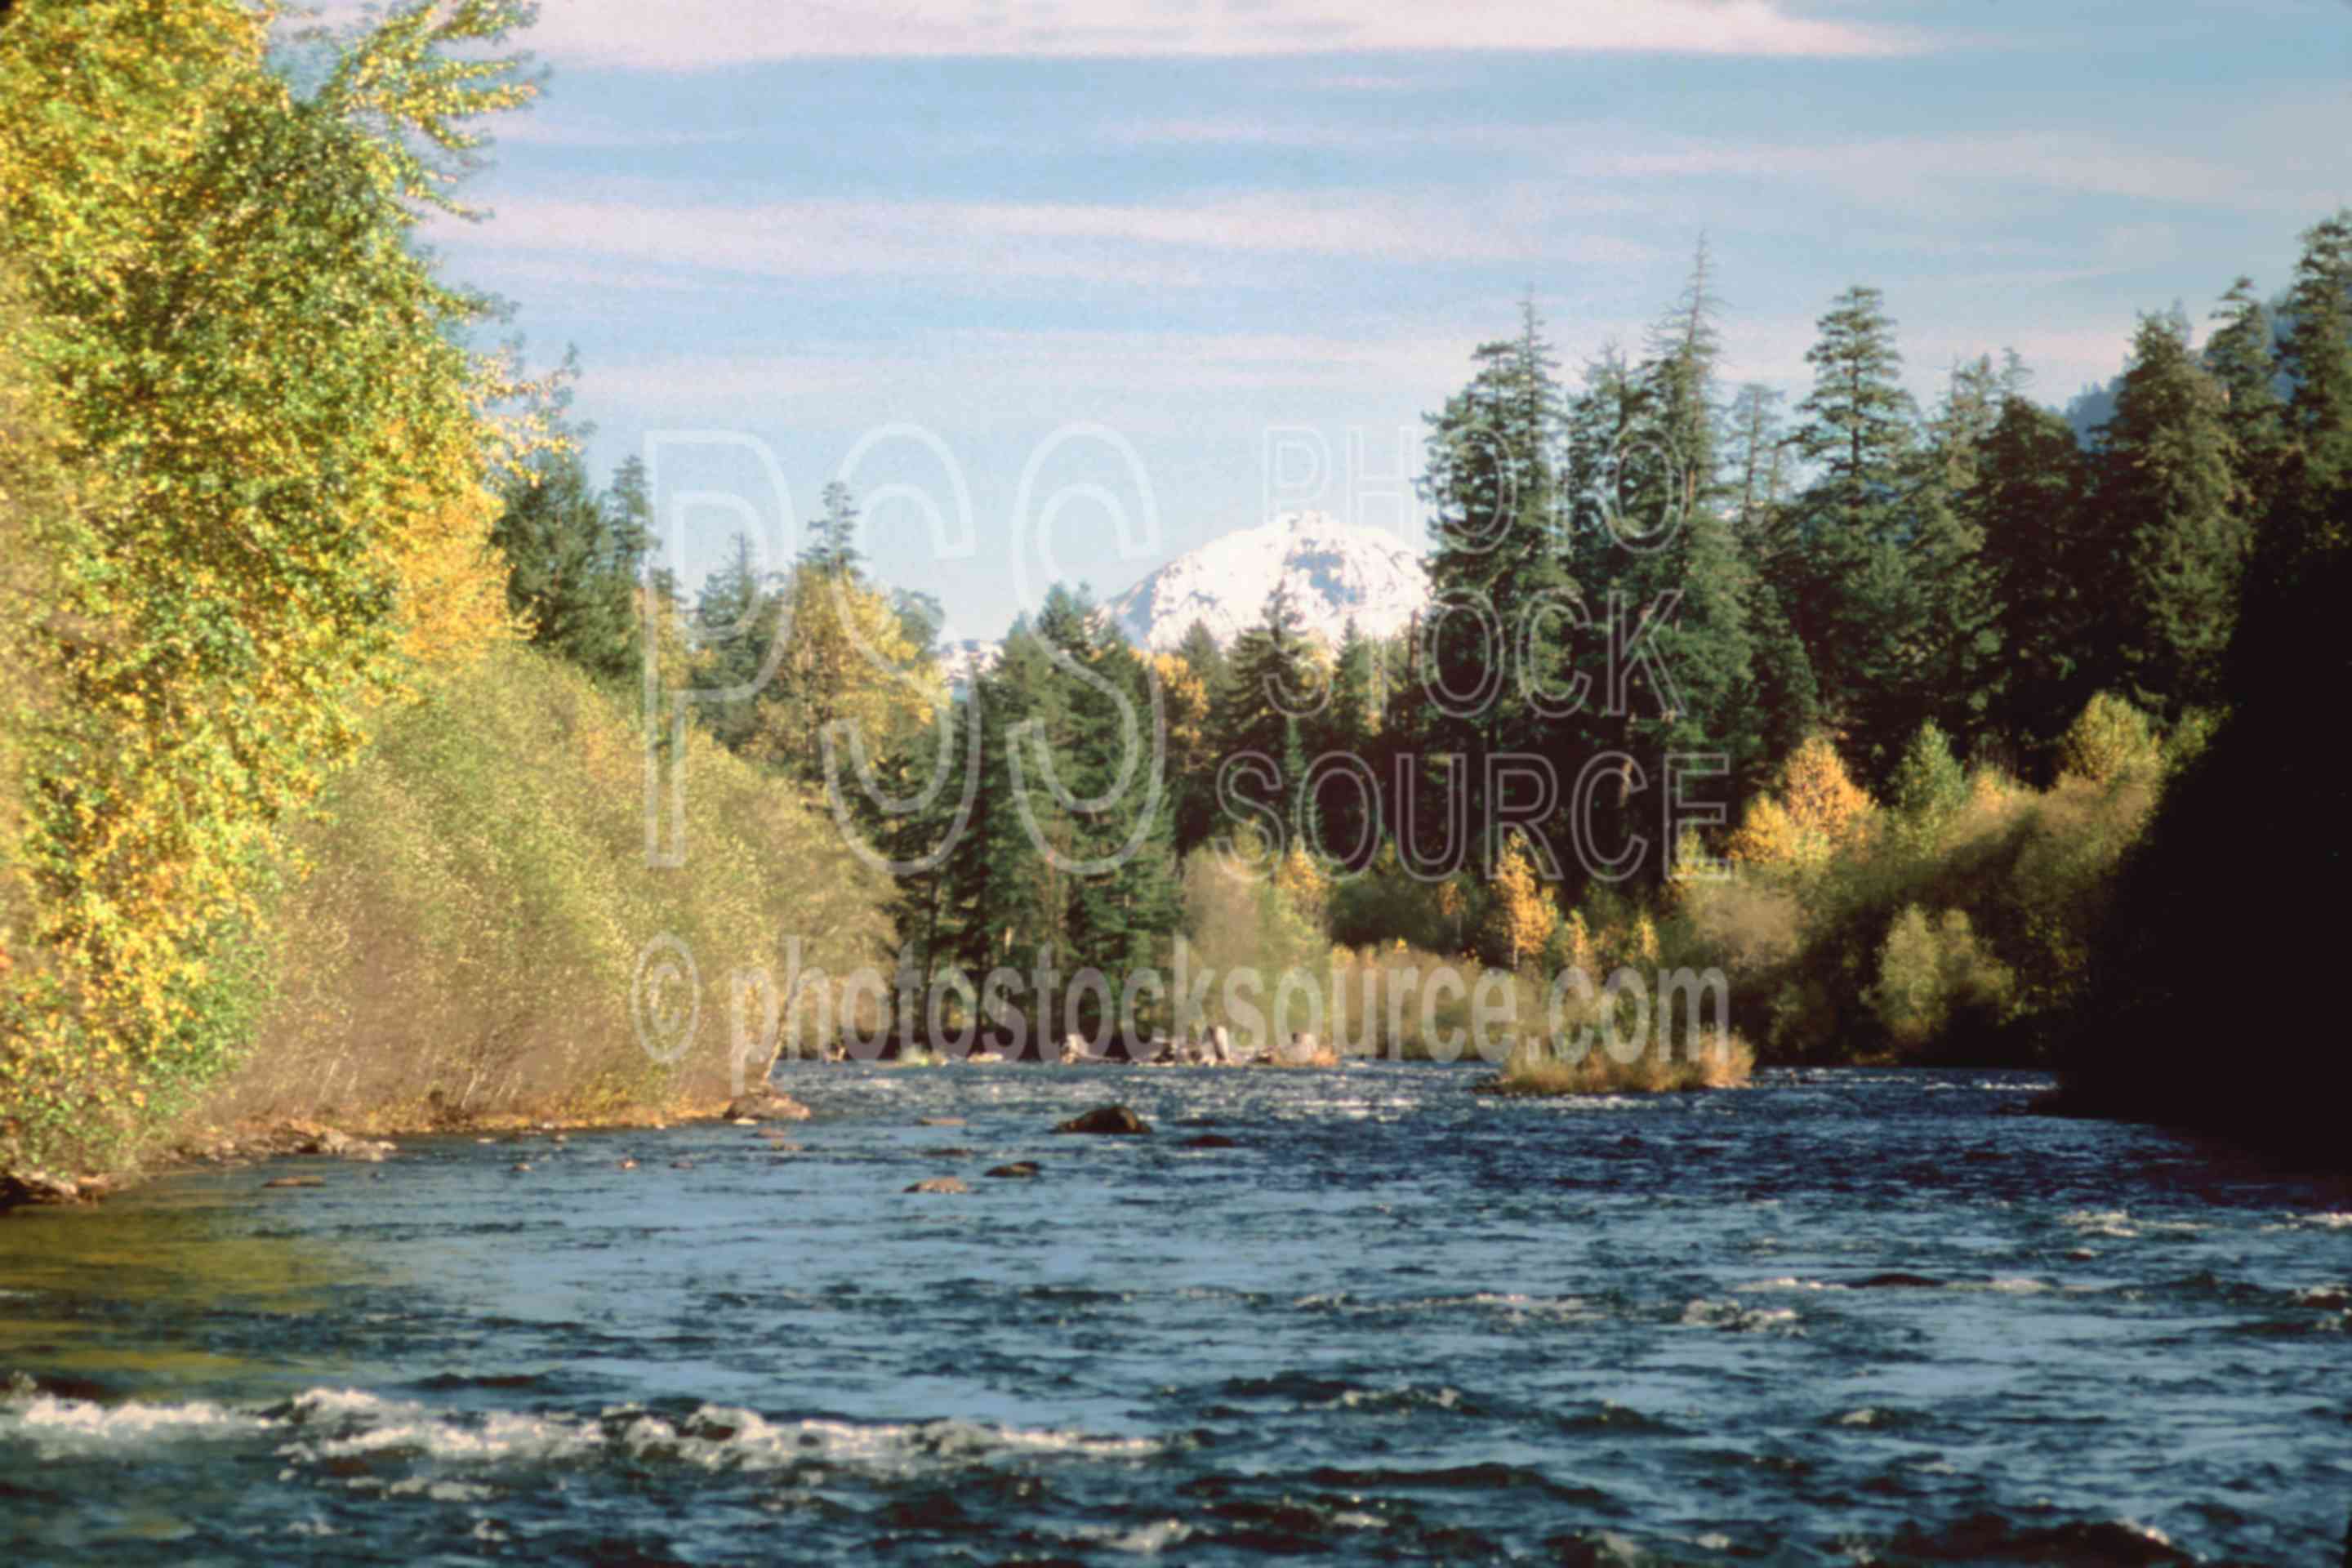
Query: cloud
1165, 244
1116, 374
690, 34
1905, 171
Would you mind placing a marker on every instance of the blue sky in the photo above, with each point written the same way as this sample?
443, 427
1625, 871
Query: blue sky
1183, 232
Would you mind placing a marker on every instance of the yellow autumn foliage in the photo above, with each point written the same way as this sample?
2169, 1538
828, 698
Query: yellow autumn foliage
1817, 811
266, 447
845, 668
1521, 916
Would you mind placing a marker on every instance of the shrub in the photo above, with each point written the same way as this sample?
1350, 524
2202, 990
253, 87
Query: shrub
1932, 973
467, 939
1817, 811
1929, 783
2110, 742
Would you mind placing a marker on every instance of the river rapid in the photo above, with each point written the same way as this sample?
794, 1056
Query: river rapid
1842, 1316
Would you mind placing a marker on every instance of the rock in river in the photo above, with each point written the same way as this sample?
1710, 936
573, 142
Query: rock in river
765, 1105
939, 1184
1106, 1118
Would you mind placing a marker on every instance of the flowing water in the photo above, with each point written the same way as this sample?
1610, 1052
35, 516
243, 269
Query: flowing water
1842, 1316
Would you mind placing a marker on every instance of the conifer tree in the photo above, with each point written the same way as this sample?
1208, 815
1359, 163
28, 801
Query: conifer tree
1850, 593
737, 613
1270, 680
1755, 442
2028, 506
1494, 489
1124, 904
2165, 484
1929, 781
572, 558
833, 542
2242, 358
2308, 520
1350, 726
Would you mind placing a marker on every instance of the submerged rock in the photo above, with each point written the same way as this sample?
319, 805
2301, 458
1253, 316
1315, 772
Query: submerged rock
939, 1184
1016, 1170
294, 1182
1111, 1119
1897, 1282
1209, 1140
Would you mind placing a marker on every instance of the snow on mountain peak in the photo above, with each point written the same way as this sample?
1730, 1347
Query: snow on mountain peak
1335, 571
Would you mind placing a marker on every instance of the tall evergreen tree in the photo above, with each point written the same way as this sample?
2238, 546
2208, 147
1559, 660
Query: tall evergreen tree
1851, 591
736, 614
1349, 726
1497, 523
572, 559
2028, 506
1756, 442
2308, 520
2242, 358
1689, 687
1859, 423
1123, 903
833, 533
1956, 643
2166, 483
1271, 681
2318, 356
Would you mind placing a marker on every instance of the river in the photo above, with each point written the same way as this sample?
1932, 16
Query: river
1841, 1316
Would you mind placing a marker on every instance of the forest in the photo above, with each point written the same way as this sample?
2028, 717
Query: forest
326, 662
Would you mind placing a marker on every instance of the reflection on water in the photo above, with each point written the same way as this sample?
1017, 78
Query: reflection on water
1842, 1316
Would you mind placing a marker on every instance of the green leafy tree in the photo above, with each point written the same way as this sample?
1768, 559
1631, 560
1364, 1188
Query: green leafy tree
276, 437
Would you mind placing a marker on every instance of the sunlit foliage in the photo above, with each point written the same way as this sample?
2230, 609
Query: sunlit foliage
275, 446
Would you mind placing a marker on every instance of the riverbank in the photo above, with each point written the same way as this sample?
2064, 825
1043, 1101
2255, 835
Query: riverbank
371, 1139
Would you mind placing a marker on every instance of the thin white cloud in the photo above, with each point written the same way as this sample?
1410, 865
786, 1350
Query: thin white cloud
1137, 365
545, 127
689, 35
1170, 244
1904, 172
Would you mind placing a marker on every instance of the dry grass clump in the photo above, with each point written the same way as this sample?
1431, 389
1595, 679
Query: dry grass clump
1534, 1068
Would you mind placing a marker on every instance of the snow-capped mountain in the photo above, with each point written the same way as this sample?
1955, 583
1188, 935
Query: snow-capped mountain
1335, 571
966, 661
